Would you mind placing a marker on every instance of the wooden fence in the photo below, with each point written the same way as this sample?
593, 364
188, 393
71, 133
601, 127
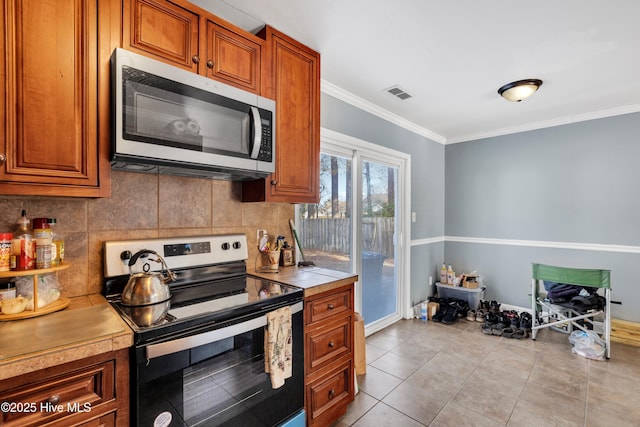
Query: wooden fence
334, 234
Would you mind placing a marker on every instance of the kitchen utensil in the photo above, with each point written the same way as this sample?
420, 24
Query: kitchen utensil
295, 236
146, 288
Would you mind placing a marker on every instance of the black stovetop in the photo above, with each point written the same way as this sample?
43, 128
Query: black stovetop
205, 304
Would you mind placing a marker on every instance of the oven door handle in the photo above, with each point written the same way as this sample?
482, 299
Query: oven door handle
174, 346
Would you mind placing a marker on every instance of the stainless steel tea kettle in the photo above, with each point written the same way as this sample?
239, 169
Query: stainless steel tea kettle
147, 288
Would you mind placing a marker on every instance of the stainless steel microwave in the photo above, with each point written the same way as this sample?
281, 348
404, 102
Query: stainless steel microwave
172, 121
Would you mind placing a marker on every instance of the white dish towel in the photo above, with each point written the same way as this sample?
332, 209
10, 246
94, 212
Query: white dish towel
278, 346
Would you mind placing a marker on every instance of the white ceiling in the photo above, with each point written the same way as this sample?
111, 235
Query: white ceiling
452, 56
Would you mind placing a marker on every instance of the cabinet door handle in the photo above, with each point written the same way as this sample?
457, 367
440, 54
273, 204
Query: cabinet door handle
330, 306
274, 182
54, 400
331, 344
3, 158
195, 59
332, 393
210, 63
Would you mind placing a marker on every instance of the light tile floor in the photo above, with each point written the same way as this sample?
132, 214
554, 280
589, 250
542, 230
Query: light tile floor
431, 374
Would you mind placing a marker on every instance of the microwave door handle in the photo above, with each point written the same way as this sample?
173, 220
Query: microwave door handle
257, 133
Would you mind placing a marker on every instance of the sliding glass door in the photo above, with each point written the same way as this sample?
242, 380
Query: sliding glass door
377, 231
357, 223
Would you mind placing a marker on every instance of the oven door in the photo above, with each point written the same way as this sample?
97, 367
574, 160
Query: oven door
219, 380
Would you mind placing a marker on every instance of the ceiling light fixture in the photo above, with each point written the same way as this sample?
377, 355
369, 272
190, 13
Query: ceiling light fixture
519, 90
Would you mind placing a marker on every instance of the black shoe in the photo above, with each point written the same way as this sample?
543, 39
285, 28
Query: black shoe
451, 316
494, 307
503, 320
490, 319
525, 321
442, 310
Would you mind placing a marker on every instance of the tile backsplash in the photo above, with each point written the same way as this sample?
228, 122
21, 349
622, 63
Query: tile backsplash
145, 206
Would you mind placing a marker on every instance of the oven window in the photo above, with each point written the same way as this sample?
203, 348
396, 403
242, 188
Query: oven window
219, 384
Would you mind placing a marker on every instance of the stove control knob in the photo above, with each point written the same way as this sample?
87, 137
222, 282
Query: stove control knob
236, 245
225, 246
125, 255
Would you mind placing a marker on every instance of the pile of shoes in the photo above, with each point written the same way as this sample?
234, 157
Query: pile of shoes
450, 310
505, 323
486, 307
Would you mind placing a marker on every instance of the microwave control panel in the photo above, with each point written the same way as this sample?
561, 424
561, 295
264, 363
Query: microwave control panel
266, 153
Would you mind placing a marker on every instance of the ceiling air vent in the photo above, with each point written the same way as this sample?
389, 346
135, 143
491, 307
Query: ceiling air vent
398, 92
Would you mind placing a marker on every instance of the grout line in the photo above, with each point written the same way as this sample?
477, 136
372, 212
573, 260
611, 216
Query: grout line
586, 399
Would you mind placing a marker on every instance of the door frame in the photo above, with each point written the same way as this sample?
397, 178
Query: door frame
339, 144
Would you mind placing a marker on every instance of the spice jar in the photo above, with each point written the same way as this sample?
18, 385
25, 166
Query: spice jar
57, 244
7, 290
5, 251
43, 236
23, 245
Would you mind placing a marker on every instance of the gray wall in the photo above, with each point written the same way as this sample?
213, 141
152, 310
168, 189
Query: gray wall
536, 192
427, 179
575, 183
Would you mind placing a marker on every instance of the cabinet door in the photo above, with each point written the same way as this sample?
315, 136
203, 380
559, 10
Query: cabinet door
320, 309
53, 72
232, 58
163, 30
93, 391
294, 82
325, 345
328, 396
61, 396
297, 85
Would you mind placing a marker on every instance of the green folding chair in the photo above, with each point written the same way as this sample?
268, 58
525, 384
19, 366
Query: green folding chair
549, 315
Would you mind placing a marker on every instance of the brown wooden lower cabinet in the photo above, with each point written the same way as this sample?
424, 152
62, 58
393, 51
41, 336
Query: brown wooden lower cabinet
328, 396
87, 392
329, 362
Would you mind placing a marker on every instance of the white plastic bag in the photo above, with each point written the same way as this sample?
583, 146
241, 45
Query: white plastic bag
48, 290
587, 344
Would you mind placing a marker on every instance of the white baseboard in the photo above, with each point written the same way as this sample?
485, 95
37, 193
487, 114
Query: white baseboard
515, 308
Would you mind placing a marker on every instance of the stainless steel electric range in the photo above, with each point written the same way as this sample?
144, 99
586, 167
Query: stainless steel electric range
198, 359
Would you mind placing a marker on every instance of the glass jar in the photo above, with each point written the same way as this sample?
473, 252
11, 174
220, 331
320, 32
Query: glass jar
57, 244
5, 251
7, 290
23, 245
43, 236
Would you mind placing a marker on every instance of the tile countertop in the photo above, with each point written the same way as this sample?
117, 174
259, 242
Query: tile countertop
89, 326
312, 279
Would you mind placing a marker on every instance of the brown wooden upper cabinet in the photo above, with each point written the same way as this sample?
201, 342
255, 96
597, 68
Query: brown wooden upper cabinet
233, 59
163, 30
55, 137
292, 78
181, 34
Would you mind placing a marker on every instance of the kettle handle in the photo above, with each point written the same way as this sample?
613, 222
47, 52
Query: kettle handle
168, 277
138, 254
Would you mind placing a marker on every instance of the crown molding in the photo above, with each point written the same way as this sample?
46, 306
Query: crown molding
547, 123
348, 97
